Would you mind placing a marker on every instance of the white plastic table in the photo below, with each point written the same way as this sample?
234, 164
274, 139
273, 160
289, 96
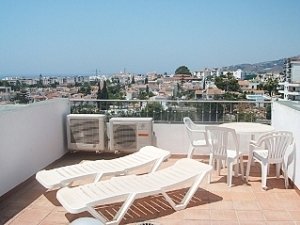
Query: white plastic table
247, 130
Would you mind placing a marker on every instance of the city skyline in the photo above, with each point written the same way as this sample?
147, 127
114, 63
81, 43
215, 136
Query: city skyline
78, 37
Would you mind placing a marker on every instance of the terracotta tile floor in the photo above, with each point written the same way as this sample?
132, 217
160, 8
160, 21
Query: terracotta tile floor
212, 204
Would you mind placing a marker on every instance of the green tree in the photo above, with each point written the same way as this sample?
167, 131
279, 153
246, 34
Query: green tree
151, 94
99, 91
227, 82
104, 92
209, 111
17, 86
85, 109
146, 80
132, 80
178, 91
260, 87
54, 85
99, 95
153, 109
271, 86
39, 83
183, 70
143, 95
4, 83
189, 94
22, 97
115, 91
85, 88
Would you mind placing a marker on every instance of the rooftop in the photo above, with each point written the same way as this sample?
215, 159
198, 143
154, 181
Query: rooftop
40, 131
214, 203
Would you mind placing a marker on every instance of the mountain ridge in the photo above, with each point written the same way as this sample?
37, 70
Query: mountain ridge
273, 66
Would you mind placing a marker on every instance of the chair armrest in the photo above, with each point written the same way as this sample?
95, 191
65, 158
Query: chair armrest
199, 131
254, 144
197, 134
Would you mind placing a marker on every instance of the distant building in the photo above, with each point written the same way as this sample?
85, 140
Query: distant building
239, 74
244, 85
5, 89
131, 94
247, 85
182, 77
211, 92
199, 94
290, 89
292, 70
5, 93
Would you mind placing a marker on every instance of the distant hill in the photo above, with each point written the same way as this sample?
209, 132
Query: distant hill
275, 66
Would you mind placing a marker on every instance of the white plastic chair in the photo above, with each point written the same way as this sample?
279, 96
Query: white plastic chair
270, 149
197, 136
219, 138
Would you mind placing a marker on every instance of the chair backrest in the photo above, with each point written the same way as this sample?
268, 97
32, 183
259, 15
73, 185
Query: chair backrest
276, 143
194, 131
190, 124
221, 139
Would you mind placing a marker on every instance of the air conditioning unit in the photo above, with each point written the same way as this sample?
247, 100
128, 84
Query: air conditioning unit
86, 132
130, 134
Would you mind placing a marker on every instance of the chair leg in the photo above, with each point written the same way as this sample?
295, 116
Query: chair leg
229, 173
211, 160
236, 168
190, 152
223, 163
219, 166
264, 171
242, 166
248, 167
285, 174
278, 166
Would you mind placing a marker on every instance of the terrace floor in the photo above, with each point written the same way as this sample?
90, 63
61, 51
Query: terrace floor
212, 204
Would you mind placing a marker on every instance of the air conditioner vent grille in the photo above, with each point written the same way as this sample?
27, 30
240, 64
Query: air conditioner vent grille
125, 136
84, 131
130, 134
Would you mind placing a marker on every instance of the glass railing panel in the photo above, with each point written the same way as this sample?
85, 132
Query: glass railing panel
170, 111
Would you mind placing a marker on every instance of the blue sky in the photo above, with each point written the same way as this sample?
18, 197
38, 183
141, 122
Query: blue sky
79, 36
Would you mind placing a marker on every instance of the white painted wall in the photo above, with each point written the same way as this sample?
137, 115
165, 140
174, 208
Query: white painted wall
31, 137
173, 137
286, 118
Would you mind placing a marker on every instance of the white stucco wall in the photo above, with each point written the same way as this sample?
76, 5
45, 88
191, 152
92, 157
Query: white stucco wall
285, 116
173, 137
31, 137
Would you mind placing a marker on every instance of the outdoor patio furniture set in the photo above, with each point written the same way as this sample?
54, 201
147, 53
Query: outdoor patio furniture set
126, 187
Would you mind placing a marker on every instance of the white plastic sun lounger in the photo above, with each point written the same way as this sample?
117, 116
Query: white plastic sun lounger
64, 176
184, 173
